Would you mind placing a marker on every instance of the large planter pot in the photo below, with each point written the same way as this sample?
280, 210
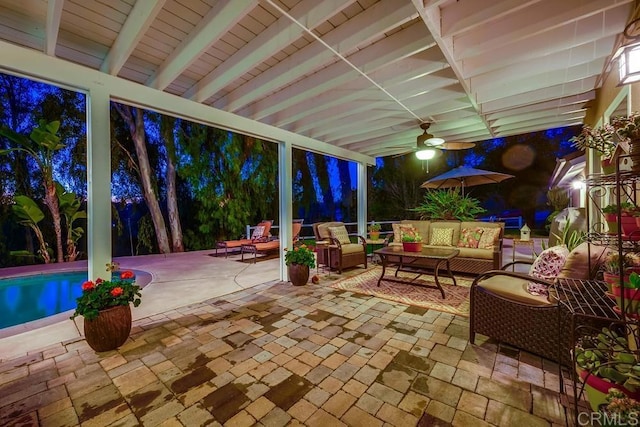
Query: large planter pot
629, 227
412, 246
631, 300
110, 329
298, 274
614, 279
596, 389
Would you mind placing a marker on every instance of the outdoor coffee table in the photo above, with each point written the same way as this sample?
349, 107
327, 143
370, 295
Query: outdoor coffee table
429, 260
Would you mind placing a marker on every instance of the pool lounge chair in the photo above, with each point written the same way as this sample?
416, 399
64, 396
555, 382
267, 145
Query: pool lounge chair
260, 234
270, 246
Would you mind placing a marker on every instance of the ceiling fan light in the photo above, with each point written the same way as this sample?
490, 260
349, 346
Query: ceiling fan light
434, 141
426, 154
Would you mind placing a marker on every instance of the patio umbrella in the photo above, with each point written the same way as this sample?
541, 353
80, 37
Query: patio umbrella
463, 176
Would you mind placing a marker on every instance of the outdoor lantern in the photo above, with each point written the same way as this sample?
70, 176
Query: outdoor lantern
525, 233
629, 63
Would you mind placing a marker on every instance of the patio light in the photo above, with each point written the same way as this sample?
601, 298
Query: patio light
426, 154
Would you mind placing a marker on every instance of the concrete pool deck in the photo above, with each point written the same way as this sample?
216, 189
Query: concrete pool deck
178, 280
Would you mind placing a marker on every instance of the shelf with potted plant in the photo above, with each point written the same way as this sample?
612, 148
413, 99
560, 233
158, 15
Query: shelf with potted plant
374, 230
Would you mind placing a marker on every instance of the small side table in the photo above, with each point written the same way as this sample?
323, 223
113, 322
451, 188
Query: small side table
324, 246
525, 243
374, 243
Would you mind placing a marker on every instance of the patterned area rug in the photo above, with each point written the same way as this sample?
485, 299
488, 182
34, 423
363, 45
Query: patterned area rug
456, 297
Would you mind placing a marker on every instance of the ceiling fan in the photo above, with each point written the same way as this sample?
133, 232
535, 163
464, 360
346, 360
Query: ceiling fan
427, 144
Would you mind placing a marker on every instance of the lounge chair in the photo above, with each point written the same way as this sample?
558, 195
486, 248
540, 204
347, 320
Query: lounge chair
260, 234
270, 246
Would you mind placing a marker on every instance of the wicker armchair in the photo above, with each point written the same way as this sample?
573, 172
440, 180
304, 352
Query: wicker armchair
499, 309
339, 256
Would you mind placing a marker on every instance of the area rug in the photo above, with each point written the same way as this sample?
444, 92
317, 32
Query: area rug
456, 297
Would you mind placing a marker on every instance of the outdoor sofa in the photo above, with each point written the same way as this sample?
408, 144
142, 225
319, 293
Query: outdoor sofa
485, 256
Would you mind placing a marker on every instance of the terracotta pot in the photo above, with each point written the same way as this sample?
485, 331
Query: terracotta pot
110, 329
298, 274
412, 246
629, 227
374, 235
608, 167
596, 389
631, 299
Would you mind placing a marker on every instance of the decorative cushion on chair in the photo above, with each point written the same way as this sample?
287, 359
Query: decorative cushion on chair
470, 237
489, 237
577, 264
258, 232
398, 229
340, 234
441, 237
547, 266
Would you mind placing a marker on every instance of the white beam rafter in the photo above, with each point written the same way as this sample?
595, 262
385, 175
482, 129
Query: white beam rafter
54, 14
222, 17
137, 23
277, 36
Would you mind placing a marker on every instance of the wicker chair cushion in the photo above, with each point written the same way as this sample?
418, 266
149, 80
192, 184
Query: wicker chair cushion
577, 264
470, 237
352, 248
340, 234
489, 237
514, 289
547, 266
441, 237
475, 253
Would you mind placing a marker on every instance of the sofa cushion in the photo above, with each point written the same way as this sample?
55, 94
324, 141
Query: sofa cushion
475, 253
441, 237
470, 237
421, 226
514, 289
341, 234
489, 238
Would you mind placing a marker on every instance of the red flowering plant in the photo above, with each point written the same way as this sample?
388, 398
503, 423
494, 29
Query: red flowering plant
103, 294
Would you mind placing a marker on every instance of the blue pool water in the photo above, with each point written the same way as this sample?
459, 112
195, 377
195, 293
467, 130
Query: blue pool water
27, 298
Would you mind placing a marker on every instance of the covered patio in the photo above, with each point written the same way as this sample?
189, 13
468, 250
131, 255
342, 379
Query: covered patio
350, 79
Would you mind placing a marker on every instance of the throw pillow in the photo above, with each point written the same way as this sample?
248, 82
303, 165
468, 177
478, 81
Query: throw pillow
441, 237
489, 237
547, 267
398, 229
470, 237
258, 232
340, 234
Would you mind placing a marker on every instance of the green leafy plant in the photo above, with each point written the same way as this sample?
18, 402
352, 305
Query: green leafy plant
448, 204
612, 263
600, 139
410, 236
627, 127
103, 294
300, 254
29, 215
621, 409
374, 226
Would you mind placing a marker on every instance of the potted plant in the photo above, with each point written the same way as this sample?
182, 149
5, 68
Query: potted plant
411, 240
599, 139
628, 129
299, 260
105, 306
628, 296
374, 230
604, 360
447, 205
610, 213
611, 267
620, 409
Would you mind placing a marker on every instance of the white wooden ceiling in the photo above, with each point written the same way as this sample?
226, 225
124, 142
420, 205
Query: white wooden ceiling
360, 75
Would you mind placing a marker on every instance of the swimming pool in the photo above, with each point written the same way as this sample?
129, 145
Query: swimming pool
28, 298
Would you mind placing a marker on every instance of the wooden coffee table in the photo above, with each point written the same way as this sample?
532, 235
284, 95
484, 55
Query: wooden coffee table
429, 260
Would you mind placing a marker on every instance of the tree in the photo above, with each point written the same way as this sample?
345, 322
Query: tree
29, 215
133, 118
41, 146
167, 124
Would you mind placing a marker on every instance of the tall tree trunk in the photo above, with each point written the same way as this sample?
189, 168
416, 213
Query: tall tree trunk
135, 122
167, 126
51, 200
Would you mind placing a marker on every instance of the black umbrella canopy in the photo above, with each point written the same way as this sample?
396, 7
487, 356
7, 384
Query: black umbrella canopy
464, 176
